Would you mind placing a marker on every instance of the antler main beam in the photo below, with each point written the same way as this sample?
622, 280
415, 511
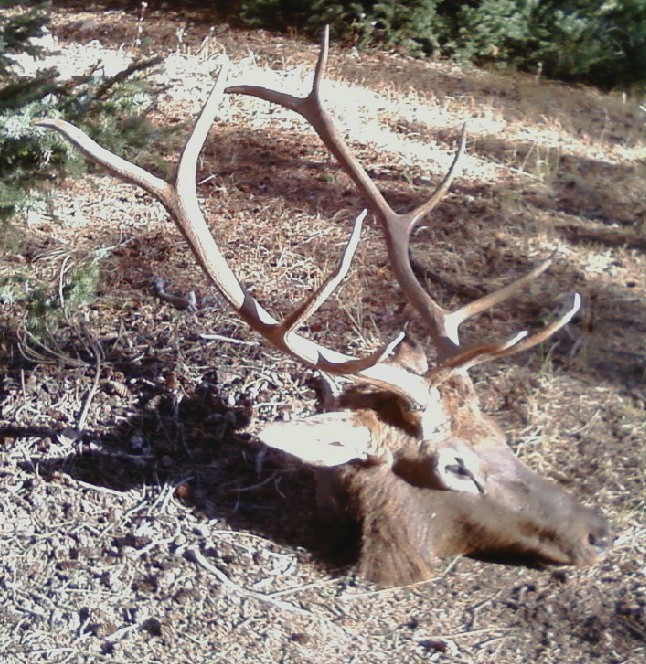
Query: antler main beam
443, 325
179, 197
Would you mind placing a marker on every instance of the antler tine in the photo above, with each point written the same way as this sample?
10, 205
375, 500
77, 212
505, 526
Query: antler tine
440, 191
455, 318
321, 62
478, 354
308, 308
179, 197
311, 305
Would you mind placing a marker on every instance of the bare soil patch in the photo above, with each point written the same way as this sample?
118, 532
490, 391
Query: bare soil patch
140, 517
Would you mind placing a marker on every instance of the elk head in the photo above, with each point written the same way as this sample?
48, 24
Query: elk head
408, 453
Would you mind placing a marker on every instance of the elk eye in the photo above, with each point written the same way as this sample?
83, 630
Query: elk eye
462, 472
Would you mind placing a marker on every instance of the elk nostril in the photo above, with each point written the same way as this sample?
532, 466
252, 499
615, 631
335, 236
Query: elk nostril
600, 541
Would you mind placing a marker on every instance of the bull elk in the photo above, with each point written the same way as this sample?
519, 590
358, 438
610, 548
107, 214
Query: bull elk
407, 451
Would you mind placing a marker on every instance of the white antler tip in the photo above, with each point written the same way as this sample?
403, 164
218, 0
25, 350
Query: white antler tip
390, 347
515, 339
577, 303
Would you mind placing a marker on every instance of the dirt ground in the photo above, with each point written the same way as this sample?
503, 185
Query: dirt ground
140, 517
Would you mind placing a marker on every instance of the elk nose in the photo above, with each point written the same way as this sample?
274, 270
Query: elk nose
598, 542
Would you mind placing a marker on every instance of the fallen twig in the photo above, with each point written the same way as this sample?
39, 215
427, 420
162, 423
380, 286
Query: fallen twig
196, 556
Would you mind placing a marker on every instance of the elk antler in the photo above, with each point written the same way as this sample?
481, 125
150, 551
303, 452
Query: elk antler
179, 197
443, 325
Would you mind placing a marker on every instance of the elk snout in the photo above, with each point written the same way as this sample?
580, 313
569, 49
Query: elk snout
595, 544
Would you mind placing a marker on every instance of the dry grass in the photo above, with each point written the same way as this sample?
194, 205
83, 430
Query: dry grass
162, 531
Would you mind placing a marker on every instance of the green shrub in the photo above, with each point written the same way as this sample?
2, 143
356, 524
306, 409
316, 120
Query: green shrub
111, 110
600, 43
47, 308
491, 30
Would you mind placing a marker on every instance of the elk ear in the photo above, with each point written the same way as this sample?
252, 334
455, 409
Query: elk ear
329, 439
459, 469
